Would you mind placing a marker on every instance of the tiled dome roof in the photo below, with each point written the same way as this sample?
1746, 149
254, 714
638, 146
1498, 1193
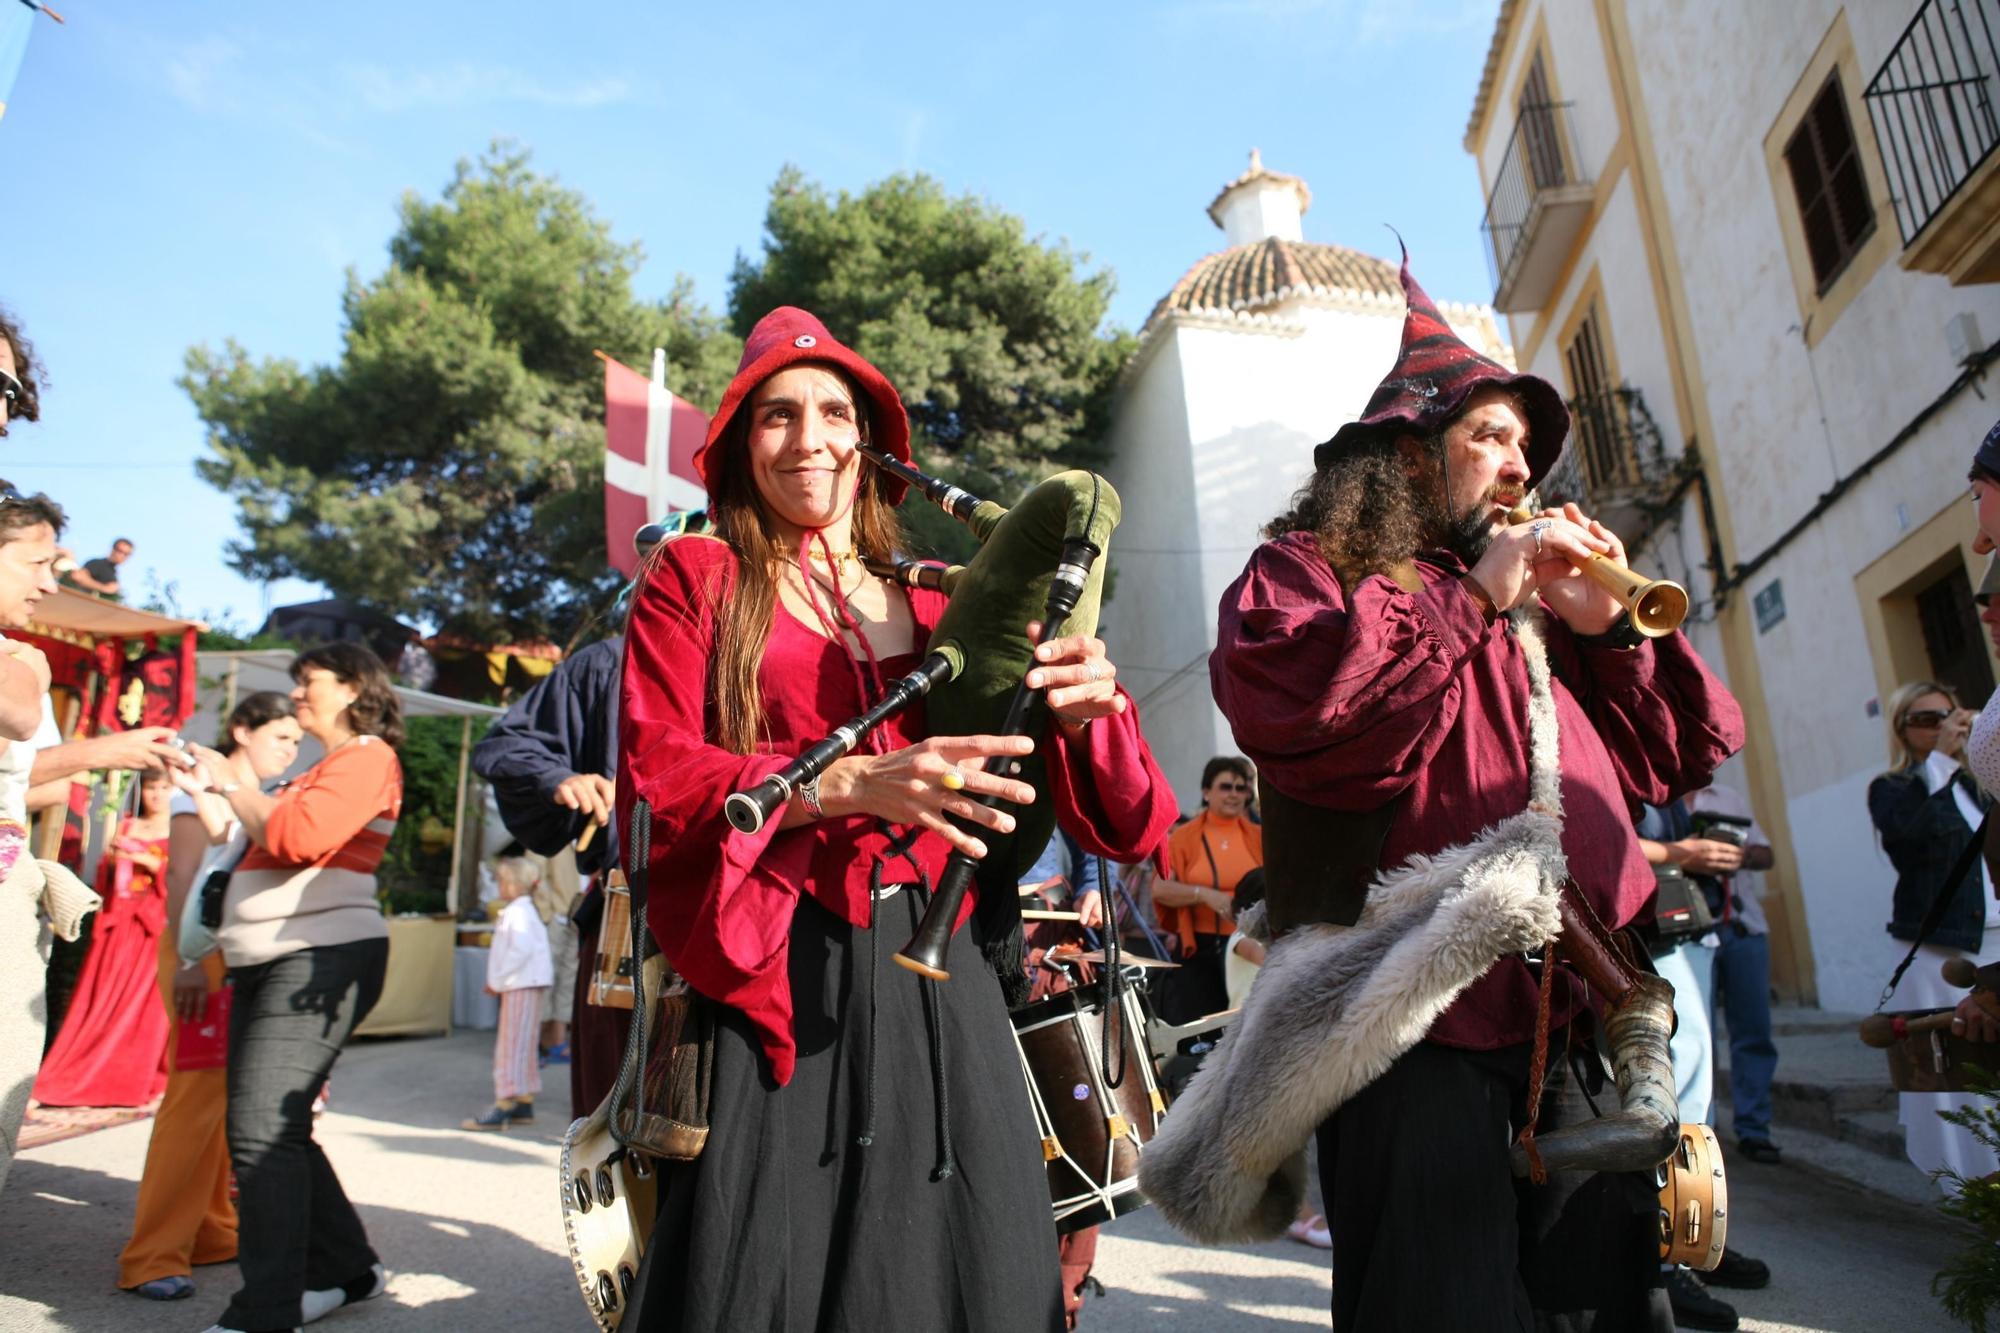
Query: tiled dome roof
1248, 278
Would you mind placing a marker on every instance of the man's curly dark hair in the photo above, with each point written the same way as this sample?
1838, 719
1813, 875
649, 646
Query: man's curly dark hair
28, 407
1366, 512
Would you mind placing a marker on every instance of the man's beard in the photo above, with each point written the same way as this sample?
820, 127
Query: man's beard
1468, 534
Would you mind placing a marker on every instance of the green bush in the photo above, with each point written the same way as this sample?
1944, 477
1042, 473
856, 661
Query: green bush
413, 876
1969, 1285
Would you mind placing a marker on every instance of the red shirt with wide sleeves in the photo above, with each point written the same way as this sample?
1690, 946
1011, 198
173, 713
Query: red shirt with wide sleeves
720, 902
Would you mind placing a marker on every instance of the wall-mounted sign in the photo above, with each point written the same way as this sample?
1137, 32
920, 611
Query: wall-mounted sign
1770, 604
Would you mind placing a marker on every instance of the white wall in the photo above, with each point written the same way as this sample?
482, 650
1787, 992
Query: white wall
1214, 435
1575, 64
1712, 83
1155, 624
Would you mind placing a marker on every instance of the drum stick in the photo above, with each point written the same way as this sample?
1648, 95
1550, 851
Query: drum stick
1885, 1030
1960, 972
589, 832
1027, 915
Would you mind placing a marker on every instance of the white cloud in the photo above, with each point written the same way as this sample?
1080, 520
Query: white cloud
195, 72
384, 90
915, 123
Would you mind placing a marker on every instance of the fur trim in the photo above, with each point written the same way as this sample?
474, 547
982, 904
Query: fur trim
1334, 1006
1255, 923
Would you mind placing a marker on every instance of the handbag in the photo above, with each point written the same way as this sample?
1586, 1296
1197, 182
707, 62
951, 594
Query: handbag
203, 1042
201, 913
215, 884
660, 1104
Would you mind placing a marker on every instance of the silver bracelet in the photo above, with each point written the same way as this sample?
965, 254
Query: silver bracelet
809, 797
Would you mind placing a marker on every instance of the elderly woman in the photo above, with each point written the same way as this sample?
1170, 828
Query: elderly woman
872, 1161
307, 949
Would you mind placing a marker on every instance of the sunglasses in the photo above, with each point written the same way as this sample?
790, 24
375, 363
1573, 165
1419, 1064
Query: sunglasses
1927, 719
1230, 786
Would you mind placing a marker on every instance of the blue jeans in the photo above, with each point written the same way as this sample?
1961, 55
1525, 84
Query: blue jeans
1688, 968
1743, 994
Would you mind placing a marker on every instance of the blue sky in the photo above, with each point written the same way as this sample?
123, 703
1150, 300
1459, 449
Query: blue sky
186, 173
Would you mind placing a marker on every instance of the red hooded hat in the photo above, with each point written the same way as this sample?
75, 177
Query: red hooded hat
784, 338
1433, 376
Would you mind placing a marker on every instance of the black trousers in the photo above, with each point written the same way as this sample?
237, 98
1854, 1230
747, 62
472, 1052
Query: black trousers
1198, 988
287, 1023
1431, 1230
789, 1222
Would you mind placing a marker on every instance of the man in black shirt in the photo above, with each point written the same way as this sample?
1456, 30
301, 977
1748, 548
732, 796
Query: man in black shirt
101, 575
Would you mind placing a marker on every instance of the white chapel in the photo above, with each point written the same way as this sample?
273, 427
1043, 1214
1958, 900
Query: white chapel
1261, 351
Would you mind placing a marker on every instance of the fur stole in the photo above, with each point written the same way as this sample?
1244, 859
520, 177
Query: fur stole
1334, 1006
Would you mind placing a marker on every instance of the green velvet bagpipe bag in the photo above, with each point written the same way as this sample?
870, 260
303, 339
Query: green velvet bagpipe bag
1004, 587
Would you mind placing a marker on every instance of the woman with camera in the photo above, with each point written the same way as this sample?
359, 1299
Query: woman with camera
184, 1215
307, 950
1926, 809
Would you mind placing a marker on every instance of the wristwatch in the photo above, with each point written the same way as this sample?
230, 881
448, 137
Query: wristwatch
809, 797
1622, 634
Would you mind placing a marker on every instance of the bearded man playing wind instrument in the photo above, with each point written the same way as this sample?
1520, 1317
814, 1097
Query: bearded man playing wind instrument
1375, 660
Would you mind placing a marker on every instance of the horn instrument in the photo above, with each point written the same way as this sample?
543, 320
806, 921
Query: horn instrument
1657, 606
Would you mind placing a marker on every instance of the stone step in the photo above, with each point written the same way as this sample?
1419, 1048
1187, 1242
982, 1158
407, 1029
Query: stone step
1808, 1022
1880, 1132
1843, 1160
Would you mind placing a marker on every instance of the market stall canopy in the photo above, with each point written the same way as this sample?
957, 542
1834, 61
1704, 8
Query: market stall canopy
271, 669
78, 617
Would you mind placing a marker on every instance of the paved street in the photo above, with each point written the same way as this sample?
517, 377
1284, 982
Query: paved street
469, 1225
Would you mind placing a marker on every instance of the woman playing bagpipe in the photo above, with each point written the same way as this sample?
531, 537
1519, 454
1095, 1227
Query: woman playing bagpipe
871, 1160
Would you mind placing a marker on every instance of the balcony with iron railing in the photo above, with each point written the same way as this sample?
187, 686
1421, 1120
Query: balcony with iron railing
1616, 467
1539, 201
1935, 108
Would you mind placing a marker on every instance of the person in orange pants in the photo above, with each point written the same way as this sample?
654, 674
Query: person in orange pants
184, 1215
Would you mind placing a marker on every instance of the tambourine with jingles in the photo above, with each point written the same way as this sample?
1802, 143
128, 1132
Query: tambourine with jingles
609, 1199
1694, 1201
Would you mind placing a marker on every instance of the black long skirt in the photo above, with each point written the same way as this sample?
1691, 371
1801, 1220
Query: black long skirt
788, 1223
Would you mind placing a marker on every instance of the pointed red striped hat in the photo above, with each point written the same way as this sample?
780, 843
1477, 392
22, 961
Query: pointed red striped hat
1433, 376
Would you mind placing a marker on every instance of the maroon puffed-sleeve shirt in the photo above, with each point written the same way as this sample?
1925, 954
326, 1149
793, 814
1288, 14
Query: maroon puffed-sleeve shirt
1350, 700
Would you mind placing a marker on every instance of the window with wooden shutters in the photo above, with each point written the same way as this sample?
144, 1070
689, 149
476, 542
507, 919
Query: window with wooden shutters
1594, 405
1832, 192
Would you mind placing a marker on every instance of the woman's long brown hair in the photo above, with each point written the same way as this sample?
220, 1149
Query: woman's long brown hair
738, 516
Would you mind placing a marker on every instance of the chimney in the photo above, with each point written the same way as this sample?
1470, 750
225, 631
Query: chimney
1261, 204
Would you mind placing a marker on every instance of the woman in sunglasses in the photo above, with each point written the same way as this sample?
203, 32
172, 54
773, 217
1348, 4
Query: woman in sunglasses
1925, 809
1206, 857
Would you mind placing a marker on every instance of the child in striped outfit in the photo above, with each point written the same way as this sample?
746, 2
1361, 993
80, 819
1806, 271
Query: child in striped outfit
520, 971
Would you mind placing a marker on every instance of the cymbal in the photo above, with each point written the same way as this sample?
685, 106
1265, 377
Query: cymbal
1124, 959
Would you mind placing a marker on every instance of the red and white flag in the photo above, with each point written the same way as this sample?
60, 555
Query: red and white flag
650, 438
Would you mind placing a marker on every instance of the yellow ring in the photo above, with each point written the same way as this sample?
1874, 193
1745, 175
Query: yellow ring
953, 780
